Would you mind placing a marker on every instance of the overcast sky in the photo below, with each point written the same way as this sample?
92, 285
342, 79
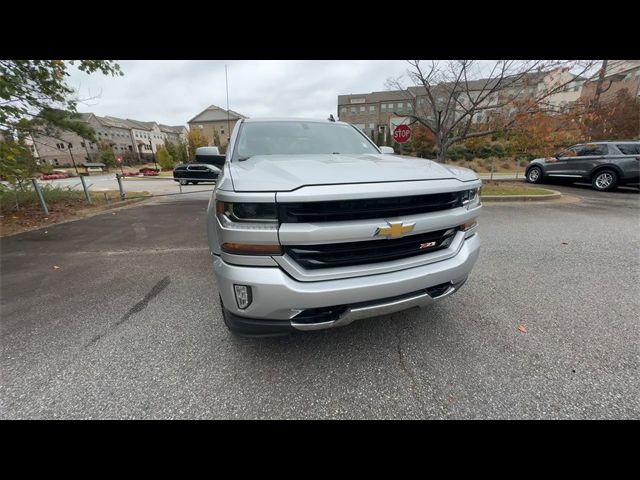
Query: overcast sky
172, 92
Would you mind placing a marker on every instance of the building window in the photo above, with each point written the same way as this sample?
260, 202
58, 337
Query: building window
55, 160
353, 110
383, 107
343, 109
372, 108
71, 145
82, 144
371, 126
362, 109
222, 131
200, 127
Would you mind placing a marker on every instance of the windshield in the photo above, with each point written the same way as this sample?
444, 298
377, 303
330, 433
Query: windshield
290, 138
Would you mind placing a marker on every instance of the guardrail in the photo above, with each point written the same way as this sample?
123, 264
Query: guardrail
122, 179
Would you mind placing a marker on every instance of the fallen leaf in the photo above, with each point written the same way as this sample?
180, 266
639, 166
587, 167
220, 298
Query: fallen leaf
522, 328
56, 267
565, 243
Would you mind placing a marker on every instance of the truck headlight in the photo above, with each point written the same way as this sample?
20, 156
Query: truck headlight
471, 198
247, 212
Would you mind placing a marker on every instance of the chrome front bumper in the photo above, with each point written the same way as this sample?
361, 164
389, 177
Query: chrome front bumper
279, 297
376, 309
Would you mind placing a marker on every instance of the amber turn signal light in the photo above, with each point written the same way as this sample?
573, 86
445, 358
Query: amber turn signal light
466, 226
251, 249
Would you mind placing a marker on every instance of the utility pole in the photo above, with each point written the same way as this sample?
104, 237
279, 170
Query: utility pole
72, 159
226, 79
601, 75
599, 90
153, 155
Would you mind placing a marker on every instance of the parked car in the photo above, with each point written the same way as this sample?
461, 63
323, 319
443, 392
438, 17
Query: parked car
206, 168
605, 165
312, 226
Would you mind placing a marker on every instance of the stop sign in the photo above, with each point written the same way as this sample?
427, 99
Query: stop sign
401, 133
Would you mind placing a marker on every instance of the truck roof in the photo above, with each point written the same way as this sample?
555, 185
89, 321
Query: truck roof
289, 119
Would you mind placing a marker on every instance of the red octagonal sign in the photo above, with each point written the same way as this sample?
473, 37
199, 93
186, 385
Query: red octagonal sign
402, 133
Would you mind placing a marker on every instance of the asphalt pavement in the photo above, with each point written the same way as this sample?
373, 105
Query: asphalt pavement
129, 326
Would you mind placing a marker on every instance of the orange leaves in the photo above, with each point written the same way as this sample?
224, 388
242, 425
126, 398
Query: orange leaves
522, 328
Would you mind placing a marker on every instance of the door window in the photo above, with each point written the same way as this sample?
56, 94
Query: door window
593, 150
572, 151
629, 148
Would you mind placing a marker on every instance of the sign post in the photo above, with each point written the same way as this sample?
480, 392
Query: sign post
119, 162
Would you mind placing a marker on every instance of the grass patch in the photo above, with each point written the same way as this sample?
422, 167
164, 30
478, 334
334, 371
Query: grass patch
500, 188
63, 204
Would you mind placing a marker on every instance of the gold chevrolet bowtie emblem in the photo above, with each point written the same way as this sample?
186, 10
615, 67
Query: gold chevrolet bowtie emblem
394, 229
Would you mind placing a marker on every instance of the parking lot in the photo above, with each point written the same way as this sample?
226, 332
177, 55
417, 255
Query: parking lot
129, 326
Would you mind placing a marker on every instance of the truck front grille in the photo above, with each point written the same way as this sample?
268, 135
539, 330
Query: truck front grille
367, 208
370, 251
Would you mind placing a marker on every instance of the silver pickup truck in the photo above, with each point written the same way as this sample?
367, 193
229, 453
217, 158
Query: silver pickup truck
313, 226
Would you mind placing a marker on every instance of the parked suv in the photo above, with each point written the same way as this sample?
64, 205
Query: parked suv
205, 169
312, 226
604, 164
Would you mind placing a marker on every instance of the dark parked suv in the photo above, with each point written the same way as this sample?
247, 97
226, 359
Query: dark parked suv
604, 164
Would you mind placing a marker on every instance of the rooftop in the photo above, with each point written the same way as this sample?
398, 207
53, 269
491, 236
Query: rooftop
214, 113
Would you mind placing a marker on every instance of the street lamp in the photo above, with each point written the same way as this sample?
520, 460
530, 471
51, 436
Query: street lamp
72, 159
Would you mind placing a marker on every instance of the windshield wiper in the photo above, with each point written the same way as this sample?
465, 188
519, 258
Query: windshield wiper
242, 159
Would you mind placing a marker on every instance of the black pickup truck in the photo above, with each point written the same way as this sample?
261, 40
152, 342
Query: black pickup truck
206, 168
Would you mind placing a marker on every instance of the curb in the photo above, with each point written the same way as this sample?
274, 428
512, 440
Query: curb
522, 198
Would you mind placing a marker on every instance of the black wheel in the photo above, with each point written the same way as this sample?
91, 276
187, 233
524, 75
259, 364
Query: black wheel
182, 181
534, 175
605, 180
195, 183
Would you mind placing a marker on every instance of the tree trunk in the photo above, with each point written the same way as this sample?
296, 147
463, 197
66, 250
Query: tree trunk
442, 151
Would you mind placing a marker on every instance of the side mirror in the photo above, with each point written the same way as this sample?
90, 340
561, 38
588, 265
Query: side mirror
387, 150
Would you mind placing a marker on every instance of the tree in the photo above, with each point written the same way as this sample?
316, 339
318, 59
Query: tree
171, 148
35, 99
449, 98
196, 140
107, 156
181, 153
612, 120
16, 160
165, 159
35, 96
423, 141
541, 134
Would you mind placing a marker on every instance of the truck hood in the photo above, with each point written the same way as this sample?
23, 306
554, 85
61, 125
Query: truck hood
284, 173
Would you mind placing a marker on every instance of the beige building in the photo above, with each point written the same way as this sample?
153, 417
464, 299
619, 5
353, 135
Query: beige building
213, 120
620, 75
133, 140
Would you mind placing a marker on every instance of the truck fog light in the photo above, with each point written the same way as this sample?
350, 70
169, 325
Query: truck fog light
243, 296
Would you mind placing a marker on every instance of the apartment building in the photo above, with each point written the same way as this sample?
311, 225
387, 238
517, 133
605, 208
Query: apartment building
620, 75
214, 120
374, 112
134, 140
